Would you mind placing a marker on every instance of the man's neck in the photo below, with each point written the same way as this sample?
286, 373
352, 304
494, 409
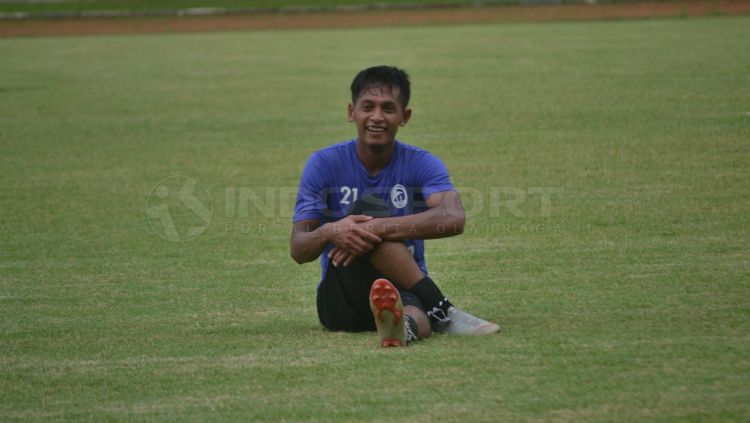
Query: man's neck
375, 159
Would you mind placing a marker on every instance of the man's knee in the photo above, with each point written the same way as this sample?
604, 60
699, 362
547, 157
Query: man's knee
386, 248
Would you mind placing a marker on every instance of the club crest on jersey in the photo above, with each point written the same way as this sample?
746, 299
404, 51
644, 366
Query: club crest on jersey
399, 196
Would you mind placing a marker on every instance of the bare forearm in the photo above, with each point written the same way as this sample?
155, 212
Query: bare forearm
309, 240
307, 246
433, 223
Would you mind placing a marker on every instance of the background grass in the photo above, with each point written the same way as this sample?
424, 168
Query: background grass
627, 302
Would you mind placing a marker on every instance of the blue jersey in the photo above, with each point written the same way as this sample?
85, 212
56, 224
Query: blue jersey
334, 178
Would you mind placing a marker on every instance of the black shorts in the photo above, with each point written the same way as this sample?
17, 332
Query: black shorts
344, 297
344, 294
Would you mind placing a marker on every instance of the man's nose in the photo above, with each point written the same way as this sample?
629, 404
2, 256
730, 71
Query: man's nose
377, 115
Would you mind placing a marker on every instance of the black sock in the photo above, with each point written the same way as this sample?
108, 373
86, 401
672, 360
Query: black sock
430, 295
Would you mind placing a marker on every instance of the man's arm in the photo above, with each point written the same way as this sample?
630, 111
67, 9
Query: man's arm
309, 239
445, 218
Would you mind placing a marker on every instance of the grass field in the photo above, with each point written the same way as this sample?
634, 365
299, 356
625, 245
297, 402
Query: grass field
623, 297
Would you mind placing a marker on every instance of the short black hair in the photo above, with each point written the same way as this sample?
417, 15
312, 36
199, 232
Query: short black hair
382, 76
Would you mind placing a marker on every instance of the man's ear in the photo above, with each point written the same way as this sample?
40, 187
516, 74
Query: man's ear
407, 116
351, 112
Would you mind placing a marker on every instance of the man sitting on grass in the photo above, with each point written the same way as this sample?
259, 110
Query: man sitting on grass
364, 207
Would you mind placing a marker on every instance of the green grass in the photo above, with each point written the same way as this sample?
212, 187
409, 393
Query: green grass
627, 302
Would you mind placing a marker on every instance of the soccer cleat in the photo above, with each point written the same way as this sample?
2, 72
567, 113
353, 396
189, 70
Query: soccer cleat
386, 306
439, 318
411, 329
463, 323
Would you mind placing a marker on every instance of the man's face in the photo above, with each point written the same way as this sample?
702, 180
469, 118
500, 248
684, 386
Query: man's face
378, 114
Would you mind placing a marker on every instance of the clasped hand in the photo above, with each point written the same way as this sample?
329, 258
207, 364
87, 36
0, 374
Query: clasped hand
351, 239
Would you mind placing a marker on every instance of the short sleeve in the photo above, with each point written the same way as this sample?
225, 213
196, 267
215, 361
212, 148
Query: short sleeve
310, 196
433, 176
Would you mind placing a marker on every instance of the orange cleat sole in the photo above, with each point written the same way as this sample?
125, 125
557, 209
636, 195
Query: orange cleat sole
386, 306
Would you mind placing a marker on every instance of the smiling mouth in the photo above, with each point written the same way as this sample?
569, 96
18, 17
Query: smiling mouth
376, 129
